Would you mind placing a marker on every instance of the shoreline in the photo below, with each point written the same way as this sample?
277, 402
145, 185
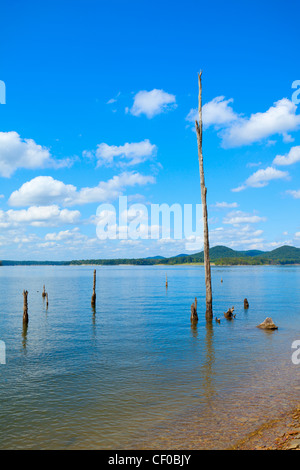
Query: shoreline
281, 433
152, 265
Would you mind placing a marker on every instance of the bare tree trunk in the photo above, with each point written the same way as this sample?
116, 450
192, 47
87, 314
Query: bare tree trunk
93, 301
25, 307
209, 311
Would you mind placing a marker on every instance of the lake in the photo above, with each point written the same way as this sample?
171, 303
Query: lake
134, 373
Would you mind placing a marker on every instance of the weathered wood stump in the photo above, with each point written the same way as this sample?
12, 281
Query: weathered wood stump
25, 308
93, 300
268, 324
166, 281
246, 304
44, 292
194, 315
229, 314
47, 300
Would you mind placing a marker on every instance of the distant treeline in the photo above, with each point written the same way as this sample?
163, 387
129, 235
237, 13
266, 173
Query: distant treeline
34, 263
219, 255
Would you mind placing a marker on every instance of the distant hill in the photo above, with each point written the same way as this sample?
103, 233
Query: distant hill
181, 255
219, 255
284, 252
222, 255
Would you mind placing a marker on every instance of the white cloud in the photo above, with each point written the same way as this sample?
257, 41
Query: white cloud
20, 153
292, 157
244, 237
225, 205
113, 100
129, 153
238, 130
278, 119
38, 216
294, 193
253, 164
217, 112
63, 235
239, 217
287, 138
44, 190
261, 178
152, 103
16, 153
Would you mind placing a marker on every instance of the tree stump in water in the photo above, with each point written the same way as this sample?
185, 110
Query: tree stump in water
166, 281
194, 315
25, 307
44, 292
93, 301
47, 301
246, 304
229, 313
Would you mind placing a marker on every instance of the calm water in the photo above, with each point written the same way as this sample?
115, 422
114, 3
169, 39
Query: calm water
134, 374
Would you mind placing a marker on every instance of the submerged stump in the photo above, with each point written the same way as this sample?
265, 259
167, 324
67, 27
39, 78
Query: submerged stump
194, 314
25, 307
44, 292
229, 314
246, 304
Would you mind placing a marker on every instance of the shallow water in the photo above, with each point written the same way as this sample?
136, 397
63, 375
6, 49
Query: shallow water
135, 374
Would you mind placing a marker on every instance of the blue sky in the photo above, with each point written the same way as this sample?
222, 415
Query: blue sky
100, 102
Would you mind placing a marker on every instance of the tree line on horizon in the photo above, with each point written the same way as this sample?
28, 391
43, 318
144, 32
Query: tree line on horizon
219, 255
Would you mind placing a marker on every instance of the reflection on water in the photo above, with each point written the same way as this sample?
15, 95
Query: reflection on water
208, 381
140, 375
24, 335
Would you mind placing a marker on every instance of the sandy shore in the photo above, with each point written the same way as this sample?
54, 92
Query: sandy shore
282, 433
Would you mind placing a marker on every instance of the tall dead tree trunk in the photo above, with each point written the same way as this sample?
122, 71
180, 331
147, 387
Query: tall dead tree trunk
209, 311
93, 301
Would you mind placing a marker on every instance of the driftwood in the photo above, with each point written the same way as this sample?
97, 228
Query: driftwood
25, 308
93, 300
209, 311
268, 324
194, 314
229, 314
246, 304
